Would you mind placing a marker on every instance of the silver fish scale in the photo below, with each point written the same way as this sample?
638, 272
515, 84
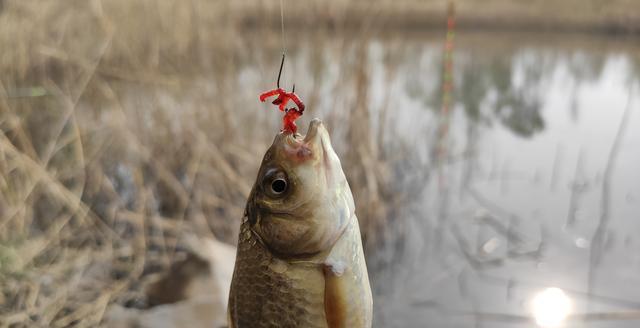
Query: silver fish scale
265, 293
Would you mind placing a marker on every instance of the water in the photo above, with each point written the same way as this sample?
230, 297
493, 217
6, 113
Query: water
512, 203
540, 153
515, 205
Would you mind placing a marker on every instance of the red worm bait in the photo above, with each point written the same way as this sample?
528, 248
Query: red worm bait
291, 114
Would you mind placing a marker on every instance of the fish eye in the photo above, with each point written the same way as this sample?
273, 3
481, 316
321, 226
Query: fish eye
278, 186
275, 183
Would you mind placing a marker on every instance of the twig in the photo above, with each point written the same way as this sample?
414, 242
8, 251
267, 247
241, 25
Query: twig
576, 190
597, 245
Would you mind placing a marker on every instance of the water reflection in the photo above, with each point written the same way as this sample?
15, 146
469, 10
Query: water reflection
531, 128
551, 307
463, 238
513, 204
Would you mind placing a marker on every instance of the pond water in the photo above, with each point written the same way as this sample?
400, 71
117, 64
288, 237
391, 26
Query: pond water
530, 181
535, 183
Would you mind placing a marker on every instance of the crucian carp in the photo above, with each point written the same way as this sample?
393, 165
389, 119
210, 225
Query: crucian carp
300, 261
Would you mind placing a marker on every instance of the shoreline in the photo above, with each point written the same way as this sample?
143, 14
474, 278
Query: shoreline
623, 20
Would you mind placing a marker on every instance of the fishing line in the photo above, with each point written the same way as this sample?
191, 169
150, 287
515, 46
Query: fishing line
284, 44
283, 97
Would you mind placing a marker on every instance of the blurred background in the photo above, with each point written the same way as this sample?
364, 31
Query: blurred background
491, 147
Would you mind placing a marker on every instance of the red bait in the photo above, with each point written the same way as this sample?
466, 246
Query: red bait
292, 114
283, 97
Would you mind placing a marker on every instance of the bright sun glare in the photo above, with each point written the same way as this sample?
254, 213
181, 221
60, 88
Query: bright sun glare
550, 307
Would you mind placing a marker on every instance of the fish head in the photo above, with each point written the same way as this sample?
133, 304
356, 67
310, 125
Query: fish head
301, 202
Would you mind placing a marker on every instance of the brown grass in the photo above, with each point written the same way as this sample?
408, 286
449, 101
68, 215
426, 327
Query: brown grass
124, 129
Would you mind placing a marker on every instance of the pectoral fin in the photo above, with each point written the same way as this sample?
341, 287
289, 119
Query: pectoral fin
335, 296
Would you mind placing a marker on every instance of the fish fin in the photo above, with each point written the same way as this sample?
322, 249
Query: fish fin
335, 295
230, 306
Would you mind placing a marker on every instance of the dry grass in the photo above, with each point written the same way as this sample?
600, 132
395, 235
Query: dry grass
121, 135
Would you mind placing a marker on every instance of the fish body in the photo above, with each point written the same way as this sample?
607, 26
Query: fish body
300, 261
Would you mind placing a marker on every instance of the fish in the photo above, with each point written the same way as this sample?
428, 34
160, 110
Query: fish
300, 261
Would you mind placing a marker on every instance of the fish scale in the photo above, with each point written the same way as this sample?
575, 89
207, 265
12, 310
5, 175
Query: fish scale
293, 298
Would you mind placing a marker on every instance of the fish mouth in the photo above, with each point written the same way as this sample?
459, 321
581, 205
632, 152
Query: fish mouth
315, 137
318, 137
316, 128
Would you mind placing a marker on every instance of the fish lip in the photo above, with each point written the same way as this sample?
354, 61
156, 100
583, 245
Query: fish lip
318, 136
313, 130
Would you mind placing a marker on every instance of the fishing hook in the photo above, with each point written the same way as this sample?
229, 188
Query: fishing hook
280, 71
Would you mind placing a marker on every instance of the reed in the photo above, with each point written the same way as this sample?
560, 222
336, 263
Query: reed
123, 133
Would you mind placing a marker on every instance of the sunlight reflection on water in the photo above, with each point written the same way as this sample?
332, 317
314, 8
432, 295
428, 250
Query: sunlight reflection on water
551, 307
